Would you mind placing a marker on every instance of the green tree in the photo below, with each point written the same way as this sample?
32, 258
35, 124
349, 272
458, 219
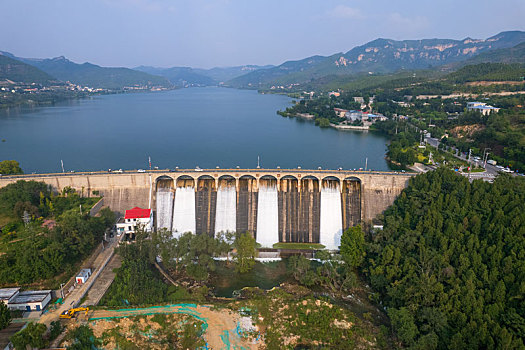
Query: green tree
245, 257
10, 167
5, 315
404, 325
352, 247
83, 338
32, 335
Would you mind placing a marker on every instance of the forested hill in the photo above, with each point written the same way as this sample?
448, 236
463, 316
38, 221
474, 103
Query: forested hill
379, 56
514, 54
449, 265
21, 72
187, 76
91, 75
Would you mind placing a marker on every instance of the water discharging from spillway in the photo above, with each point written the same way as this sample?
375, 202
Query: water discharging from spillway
267, 214
164, 208
226, 212
184, 211
331, 216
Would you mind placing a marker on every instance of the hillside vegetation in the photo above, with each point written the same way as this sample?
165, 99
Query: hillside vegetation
35, 251
449, 263
18, 71
91, 75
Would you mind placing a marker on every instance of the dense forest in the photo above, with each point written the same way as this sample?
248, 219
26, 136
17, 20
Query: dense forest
449, 264
33, 250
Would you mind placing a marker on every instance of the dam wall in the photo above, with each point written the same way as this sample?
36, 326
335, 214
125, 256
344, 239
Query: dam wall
299, 206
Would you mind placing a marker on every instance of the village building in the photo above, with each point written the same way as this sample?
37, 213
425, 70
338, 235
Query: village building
133, 219
30, 300
83, 276
481, 107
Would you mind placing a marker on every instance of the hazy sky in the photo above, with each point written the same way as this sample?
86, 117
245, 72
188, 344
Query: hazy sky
207, 33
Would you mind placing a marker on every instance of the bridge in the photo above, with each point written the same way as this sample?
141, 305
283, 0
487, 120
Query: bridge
301, 201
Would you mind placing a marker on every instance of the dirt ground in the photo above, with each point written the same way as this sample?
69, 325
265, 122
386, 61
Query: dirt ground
223, 327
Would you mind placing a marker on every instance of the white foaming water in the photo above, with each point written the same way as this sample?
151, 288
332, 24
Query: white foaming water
184, 211
164, 208
331, 217
226, 212
267, 216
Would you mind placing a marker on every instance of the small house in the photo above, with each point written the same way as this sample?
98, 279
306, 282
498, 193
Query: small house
31, 300
135, 217
8, 294
83, 276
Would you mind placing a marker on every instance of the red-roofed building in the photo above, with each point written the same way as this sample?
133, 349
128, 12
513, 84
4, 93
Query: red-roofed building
133, 218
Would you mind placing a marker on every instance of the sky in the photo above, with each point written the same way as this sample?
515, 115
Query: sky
219, 33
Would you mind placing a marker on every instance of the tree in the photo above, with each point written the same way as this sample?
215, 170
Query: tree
10, 167
83, 338
353, 246
245, 258
403, 323
5, 315
32, 335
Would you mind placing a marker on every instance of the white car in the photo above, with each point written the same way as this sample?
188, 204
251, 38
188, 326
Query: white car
141, 171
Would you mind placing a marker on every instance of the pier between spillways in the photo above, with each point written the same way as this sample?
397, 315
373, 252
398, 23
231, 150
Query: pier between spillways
275, 205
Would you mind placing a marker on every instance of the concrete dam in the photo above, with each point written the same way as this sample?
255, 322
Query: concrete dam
295, 205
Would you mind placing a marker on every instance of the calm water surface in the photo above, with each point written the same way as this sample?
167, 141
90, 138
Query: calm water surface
204, 127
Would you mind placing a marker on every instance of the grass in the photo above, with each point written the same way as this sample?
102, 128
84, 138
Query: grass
298, 246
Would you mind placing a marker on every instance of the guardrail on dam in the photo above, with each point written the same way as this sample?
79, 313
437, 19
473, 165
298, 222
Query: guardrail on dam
276, 205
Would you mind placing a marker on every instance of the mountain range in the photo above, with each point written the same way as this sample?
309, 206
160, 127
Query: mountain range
18, 71
187, 76
87, 74
379, 56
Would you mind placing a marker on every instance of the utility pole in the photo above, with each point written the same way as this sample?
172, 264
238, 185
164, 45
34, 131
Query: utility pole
485, 157
469, 166
366, 163
258, 162
62, 163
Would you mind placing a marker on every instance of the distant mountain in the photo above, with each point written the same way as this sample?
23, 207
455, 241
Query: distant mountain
223, 74
380, 56
179, 76
21, 72
186, 76
91, 75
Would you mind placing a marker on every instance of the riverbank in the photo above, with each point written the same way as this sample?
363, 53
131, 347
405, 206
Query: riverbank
350, 127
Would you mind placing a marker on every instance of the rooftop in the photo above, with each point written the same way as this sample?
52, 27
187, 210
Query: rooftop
137, 213
30, 296
84, 273
7, 293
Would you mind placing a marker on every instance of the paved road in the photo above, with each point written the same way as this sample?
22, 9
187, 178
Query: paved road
490, 170
103, 282
73, 298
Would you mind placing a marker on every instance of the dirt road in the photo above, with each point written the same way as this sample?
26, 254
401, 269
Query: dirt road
223, 327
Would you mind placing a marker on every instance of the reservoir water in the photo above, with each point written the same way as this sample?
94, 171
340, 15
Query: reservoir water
203, 127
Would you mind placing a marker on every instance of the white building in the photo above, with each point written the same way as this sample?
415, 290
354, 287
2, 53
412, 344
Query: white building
30, 300
83, 276
482, 107
8, 294
133, 218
